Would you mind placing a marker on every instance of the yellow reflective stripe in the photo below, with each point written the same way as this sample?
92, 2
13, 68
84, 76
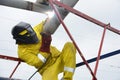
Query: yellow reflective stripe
42, 58
69, 69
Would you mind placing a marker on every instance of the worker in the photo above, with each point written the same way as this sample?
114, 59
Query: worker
34, 48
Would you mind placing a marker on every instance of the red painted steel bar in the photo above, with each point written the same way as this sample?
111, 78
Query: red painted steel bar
86, 17
13, 59
10, 58
100, 48
59, 17
15, 69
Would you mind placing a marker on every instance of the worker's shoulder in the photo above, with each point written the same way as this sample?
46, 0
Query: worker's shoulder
39, 27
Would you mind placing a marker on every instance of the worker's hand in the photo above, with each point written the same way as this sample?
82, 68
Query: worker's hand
46, 41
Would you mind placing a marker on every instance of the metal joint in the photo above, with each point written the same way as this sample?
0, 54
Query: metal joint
30, 6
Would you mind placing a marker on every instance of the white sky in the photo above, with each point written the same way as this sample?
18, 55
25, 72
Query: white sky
86, 34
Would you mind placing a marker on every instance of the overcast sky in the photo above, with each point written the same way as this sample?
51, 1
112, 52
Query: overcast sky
86, 34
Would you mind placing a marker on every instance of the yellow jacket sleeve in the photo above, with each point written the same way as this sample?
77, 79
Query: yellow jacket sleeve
39, 27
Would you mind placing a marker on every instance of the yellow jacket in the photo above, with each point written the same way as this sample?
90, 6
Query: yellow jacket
29, 52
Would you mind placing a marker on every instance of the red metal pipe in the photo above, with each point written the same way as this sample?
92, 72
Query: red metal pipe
59, 17
99, 52
15, 69
10, 58
86, 17
13, 59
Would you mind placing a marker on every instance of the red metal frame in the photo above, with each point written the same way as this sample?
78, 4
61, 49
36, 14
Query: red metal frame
69, 34
105, 26
10, 58
14, 69
13, 59
80, 14
99, 52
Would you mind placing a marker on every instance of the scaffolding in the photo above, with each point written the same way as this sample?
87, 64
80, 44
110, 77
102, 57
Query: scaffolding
86, 17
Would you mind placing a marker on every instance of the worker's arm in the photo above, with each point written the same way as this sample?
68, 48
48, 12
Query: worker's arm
39, 27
